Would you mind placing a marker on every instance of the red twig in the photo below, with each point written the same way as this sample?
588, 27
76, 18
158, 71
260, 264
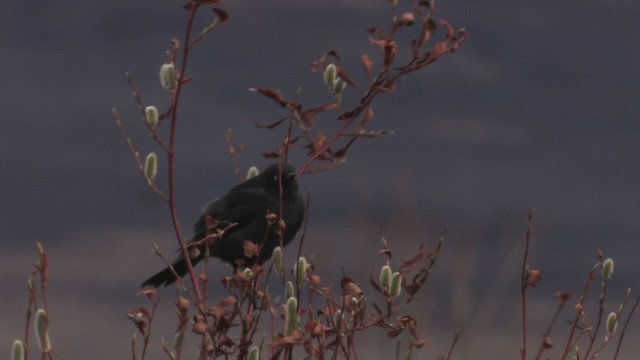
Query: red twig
564, 297
579, 311
171, 161
624, 328
524, 285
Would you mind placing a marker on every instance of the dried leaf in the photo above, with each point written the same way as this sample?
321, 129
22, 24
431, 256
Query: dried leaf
343, 75
272, 94
417, 282
532, 277
294, 339
375, 133
271, 155
149, 293
367, 63
349, 287
307, 115
318, 144
271, 125
563, 296
406, 19
222, 15
409, 264
428, 27
250, 249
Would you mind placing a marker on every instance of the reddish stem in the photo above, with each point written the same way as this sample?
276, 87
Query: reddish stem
171, 162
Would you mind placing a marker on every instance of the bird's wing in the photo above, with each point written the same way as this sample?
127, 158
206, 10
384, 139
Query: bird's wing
239, 206
246, 205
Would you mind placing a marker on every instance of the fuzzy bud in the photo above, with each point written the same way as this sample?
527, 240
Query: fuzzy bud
168, 76
288, 290
330, 76
248, 273
17, 351
300, 271
385, 277
151, 116
291, 316
612, 323
252, 172
254, 353
199, 325
151, 166
607, 268
182, 303
178, 339
395, 288
337, 319
338, 86
30, 284
278, 262
42, 335
354, 303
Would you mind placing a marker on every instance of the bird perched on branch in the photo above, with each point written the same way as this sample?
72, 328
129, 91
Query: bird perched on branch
244, 225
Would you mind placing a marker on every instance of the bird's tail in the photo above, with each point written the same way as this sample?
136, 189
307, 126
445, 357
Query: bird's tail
166, 276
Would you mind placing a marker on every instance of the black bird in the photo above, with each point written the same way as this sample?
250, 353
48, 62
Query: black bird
244, 213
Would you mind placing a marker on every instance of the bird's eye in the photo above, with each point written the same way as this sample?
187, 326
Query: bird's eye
276, 177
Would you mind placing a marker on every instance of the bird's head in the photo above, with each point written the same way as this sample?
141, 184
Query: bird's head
273, 176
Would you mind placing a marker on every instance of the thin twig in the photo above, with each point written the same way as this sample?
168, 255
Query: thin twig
601, 308
447, 356
564, 297
524, 285
136, 157
624, 328
579, 311
171, 161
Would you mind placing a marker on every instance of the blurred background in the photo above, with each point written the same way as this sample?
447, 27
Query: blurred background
539, 109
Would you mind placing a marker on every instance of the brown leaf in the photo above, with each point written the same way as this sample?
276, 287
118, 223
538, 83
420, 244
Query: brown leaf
218, 310
409, 264
563, 296
343, 75
272, 94
394, 332
367, 117
271, 155
149, 293
375, 133
428, 27
271, 125
307, 115
367, 63
532, 277
417, 282
390, 49
199, 325
349, 287
319, 142
406, 19
294, 339
222, 15
378, 42
250, 248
